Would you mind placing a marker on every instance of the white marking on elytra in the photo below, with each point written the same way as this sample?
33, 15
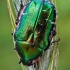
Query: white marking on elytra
51, 22
41, 24
44, 10
46, 19
24, 13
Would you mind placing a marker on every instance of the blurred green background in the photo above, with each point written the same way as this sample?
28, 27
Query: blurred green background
8, 57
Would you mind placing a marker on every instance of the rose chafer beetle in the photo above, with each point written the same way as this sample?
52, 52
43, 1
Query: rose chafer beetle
35, 29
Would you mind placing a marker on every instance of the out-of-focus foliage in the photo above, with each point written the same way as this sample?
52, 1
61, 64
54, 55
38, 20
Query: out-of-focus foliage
63, 23
8, 57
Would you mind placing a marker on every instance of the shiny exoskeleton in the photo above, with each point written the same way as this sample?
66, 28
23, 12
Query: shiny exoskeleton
35, 29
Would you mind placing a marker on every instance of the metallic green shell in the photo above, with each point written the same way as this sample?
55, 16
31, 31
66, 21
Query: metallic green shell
32, 34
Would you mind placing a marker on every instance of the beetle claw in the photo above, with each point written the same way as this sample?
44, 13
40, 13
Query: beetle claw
20, 61
12, 33
56, 40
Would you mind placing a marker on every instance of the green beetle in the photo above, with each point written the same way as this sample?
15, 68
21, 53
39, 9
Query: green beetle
35, 29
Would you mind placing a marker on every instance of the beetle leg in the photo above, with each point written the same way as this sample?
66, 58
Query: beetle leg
56, 40
20, 61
